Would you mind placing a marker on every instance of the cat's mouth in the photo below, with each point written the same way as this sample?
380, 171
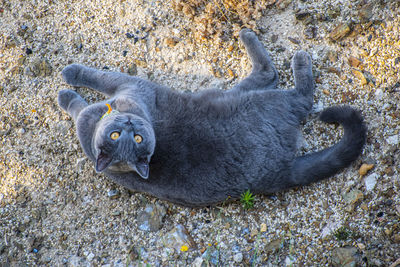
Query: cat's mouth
141, 167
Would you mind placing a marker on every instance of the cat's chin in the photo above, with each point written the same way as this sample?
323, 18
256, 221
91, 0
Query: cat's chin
122, 167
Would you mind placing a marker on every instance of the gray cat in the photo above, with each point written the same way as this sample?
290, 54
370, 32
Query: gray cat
199, 149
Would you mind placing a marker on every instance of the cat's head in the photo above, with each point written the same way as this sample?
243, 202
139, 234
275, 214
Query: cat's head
123, 143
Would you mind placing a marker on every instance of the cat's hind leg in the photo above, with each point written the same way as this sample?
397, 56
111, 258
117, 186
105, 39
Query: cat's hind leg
71, 102
303, 76
263, 74
102, 81
304, 83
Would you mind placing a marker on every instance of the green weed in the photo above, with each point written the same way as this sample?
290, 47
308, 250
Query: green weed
247, 199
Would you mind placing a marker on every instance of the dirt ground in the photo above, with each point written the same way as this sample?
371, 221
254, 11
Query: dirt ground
55, 210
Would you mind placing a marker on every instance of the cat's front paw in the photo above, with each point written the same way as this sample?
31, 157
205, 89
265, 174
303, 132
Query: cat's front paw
301, 59
65, 97
247, 35
71, 74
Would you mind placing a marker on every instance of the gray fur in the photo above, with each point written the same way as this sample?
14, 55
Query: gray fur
206, 147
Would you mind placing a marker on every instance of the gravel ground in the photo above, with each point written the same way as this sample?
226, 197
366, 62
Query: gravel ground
55, 210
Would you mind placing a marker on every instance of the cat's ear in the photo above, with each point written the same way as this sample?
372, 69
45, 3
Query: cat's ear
103, 161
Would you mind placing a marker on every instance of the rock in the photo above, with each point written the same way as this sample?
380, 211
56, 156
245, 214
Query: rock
75, 261
38, 67
311, 32
370, 181
365, 13
21, 131
263, 228
178, 238
332, 55
78, 42
361, 246
354, 62
133, 253
273, 246
80, 164
198, 262
333, 70
365, 167
302, 14
341, 31
282, 4
231, 73
293, 40
129, 35
171, 41
352, 199
369, 77
90, 256
63, 127
333, 12
344, 257
2, 247
151, 218
275, 37
238, 257
393, 140
113, 194
212, 256
132, 70
379, 94
359, 75
290, 261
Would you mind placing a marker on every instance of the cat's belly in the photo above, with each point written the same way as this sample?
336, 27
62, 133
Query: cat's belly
229, 160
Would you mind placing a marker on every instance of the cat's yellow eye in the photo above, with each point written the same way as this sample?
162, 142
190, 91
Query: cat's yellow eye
138, 139
114, 135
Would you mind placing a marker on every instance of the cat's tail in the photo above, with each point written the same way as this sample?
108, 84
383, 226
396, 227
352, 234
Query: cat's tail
322, 164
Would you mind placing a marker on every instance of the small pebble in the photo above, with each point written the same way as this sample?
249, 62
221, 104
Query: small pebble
344, 256
179, 238
198, 262
171, 41
370, 181
293, 40
28, 51
90, 257
113, 194
358, 74
238, 257
393, 140
150, 220
129, 35
365, 13
341, 31
302, 14
310, 32
365, 168
263, 228
353, 61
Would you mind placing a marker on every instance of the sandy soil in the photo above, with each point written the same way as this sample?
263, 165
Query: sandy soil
55, 210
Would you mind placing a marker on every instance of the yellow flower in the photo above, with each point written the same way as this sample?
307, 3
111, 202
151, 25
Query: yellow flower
184, 248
